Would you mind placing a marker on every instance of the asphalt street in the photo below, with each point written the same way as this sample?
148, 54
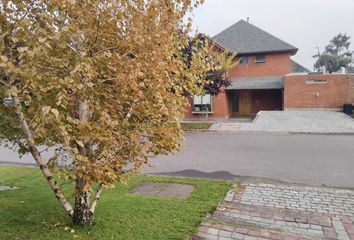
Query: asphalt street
296, 158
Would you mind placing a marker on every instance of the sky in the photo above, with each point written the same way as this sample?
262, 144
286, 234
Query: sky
305, 24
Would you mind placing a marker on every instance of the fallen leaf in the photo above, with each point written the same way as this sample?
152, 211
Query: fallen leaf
55, 112
4, 58
56, 224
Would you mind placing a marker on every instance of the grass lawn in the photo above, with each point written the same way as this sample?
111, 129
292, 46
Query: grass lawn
196, 126
32, 211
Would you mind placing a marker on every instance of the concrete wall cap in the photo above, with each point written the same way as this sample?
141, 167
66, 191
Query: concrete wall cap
296, 74
319, 74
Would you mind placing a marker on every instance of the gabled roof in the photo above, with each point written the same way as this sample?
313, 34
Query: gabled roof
245, 38
298, 68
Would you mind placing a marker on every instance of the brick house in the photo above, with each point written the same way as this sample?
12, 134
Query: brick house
266, 78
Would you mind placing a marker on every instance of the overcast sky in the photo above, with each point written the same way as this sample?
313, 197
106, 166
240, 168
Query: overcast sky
306, 24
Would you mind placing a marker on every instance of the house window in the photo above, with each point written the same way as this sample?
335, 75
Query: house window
202, 104
244, 59
260, 58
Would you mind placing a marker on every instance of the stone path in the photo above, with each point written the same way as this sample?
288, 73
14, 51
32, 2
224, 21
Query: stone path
266, 211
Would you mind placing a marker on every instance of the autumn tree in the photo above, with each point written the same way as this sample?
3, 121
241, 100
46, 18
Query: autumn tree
101, 82
336, 54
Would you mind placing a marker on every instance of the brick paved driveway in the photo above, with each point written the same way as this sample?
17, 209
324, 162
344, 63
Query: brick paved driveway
266, 211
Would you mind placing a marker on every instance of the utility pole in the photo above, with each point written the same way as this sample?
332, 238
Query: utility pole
319, 55
318, 50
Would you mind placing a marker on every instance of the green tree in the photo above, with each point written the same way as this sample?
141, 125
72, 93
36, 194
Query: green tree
100, 81
336, 54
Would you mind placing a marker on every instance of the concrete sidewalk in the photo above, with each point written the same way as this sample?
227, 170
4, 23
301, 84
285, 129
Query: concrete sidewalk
320, 122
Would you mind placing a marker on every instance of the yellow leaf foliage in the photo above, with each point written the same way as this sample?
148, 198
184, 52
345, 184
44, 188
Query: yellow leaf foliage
102, 80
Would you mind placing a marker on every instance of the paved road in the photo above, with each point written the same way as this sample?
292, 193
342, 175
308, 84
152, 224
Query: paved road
310, 159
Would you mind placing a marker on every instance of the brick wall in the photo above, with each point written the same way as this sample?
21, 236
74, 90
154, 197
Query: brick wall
222, 105
277, 64
316, 91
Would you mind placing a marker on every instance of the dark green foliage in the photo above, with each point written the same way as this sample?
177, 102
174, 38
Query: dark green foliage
216, 78
336, 54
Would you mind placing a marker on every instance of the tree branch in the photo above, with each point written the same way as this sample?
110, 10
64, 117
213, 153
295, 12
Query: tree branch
37, 156
97, 197
3, 82
104, 50
130, 112
83, 110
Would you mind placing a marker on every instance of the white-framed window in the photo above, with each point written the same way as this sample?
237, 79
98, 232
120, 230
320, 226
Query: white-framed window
202, 104
260, 58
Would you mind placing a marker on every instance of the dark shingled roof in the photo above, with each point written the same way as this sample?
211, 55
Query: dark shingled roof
245, 38
275, 82
298, 68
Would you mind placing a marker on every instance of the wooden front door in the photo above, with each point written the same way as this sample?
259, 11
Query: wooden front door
245, 102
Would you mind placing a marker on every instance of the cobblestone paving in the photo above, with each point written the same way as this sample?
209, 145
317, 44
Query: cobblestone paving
265, 211
304, 199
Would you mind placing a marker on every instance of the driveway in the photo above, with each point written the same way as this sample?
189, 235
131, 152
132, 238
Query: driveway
293, 122
299, 158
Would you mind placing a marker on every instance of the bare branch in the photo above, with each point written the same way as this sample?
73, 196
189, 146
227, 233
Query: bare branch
83, 110
96, 198
107, 79
104, 50
5, 83
51, 68
130, 112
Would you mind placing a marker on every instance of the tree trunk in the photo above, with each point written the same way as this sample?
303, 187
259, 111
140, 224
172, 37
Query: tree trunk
82, 212
38, 158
